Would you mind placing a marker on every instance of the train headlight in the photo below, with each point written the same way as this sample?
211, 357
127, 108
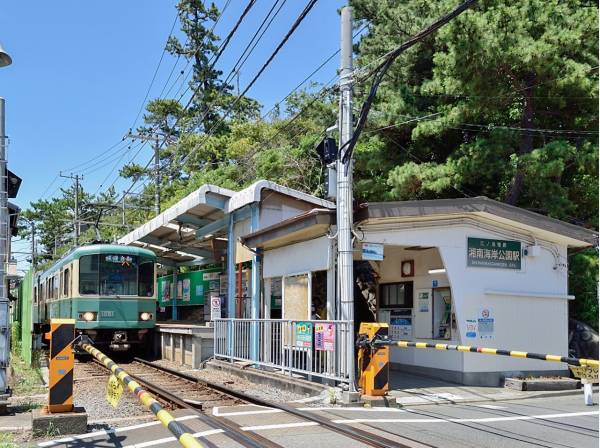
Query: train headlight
145, 316
87, 316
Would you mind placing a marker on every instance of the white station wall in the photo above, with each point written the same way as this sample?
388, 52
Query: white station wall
522, 320
312, 255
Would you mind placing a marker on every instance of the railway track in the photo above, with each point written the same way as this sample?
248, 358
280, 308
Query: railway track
180, 390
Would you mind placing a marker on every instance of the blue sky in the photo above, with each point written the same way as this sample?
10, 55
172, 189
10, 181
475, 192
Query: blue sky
81, 70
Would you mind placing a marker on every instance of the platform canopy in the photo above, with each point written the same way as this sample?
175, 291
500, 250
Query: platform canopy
173, 235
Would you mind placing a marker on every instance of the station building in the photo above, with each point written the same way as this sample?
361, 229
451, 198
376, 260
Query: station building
469, 271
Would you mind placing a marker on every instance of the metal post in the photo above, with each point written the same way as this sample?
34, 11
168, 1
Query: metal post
156, 176
77, 223
344, 193
33, 249
123, 210
174, 296
4, 329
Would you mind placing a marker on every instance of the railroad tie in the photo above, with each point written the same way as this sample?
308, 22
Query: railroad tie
186, 439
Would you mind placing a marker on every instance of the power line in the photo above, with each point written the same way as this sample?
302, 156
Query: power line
381, 69
297, 22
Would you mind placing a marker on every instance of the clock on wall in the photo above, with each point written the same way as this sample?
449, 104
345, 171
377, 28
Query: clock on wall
408, 268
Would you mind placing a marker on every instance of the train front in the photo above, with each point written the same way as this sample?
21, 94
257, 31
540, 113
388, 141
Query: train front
116, 306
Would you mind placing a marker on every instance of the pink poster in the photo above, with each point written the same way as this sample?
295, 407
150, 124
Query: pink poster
325, 337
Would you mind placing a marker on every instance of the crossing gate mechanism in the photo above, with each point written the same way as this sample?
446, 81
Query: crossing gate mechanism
61, 363
373, 360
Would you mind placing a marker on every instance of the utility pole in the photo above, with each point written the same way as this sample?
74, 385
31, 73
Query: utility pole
345, 197
156, 144
4, 324
76, 223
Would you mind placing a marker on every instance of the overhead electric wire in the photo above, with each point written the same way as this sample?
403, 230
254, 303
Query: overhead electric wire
254, 41
383, 67
297, 22
220, 51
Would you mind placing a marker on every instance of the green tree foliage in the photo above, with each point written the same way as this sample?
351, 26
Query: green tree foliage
483, 84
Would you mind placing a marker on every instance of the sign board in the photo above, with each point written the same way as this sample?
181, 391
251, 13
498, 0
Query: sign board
488, 253
304, 332
195, 288
186, 289
588, 374
372, 251
485, 324
215, 307
401, 327
114, 390
325, 337
471, 328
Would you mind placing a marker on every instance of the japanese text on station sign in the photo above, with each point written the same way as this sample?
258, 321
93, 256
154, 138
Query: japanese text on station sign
488, 253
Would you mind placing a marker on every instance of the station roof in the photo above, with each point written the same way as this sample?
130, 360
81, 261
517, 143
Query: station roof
193, 230
172, 234
483, 207
308, 225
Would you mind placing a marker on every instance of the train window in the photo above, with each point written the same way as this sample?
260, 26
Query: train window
66, 282
56, 285
88, 274
118, 275
35, 294
146, 277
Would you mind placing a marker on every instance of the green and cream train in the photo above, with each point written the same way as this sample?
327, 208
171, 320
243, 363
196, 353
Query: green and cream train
108, 289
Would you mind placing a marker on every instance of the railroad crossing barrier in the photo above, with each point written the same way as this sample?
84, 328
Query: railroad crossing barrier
185, 438
373, 362
370, 341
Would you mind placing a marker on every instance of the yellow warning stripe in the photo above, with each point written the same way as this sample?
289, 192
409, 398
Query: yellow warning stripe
185, 439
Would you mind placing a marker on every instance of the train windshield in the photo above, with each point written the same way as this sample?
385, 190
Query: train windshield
116, 275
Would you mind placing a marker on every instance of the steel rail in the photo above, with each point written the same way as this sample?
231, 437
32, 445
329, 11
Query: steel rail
249, 440
365, 437
483, 350
179, 431
231, 429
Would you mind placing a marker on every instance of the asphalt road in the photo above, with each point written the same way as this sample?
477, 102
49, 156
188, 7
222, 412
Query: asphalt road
545, 422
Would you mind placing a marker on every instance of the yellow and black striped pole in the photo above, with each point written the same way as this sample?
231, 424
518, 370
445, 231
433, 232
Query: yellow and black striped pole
490, 351
60, 366
184, 437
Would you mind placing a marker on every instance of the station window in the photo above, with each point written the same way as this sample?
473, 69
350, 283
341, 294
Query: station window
396, 295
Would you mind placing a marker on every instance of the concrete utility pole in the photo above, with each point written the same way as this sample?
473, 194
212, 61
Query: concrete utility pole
344, 197
156, 144
76, 222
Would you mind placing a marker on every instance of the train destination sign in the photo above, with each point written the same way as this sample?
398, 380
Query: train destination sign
489, 253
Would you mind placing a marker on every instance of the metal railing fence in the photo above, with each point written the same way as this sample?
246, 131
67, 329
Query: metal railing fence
308, 347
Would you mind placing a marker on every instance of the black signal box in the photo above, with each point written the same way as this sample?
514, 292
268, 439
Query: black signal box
327, 150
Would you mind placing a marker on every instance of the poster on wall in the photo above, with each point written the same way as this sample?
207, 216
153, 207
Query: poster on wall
207, 276
423, 302
186, 289
485, 324
471, 328
325, 337
488, 253
179, 291
215, 307
166, 291
304, 332
372, 251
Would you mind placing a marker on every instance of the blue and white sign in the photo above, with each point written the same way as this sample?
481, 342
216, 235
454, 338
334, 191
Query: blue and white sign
434, 283
372, 251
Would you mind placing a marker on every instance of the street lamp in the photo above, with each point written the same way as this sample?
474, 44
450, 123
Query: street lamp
5, 58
